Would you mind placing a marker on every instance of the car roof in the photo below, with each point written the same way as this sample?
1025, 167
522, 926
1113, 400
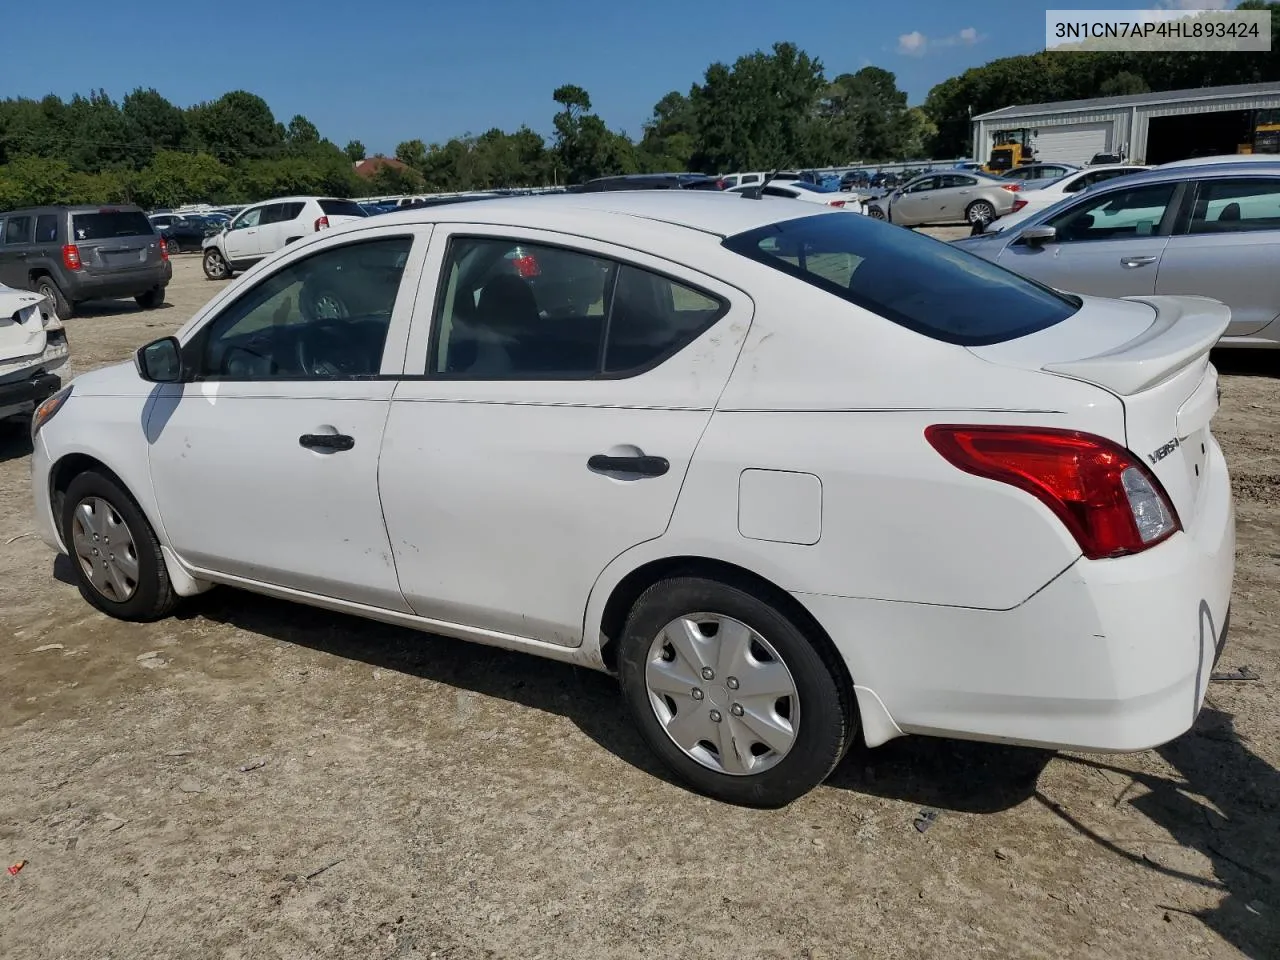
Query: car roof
721, 214
1201, 171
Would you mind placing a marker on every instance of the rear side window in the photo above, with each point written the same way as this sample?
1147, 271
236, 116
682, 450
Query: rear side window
106, 224
47, 228
516, 311
925, 285
273, 213
341, 208
291, 210
17, 230
1236, 206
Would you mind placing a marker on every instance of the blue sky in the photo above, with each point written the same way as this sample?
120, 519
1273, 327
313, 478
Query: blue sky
389, 70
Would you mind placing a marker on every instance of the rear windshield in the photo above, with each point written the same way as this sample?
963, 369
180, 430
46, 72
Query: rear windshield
342, 208
106, 224
922, 284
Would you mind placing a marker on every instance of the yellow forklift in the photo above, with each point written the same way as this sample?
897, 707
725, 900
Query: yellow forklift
1266, 133
1009, 149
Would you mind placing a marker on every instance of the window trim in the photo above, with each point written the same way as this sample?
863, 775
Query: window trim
195, 345
442, 284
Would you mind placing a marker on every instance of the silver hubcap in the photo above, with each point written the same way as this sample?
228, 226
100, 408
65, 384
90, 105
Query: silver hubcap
722, 693
104, 546
980, 213
215, 265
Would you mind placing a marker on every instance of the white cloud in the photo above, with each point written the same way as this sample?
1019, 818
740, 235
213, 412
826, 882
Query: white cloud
916, 44
912, 44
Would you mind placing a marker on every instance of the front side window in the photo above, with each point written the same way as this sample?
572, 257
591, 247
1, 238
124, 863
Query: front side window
1115, 215
324, 317
927, 286
517, 311
250, 218
920, 186
1236, 206
17, 230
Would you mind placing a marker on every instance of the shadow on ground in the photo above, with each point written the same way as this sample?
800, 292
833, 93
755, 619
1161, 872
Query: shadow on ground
1247, 363
15, 439
951, 775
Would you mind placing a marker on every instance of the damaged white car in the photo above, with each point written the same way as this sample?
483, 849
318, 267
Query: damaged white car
33, 352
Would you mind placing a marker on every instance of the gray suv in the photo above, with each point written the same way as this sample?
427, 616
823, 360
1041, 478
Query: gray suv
73, 254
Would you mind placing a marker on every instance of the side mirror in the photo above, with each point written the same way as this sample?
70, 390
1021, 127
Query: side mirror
1038, 236
160, 361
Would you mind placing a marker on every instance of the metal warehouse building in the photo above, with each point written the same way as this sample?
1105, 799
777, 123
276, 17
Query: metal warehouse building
1145, 127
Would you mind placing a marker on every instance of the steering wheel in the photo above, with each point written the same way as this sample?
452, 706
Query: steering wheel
324, 350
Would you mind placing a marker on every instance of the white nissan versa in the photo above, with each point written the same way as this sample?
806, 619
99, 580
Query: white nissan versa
791, 475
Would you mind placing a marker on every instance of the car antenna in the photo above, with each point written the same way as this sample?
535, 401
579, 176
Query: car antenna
757, 192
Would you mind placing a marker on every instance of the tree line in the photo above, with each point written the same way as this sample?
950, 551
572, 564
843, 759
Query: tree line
765, 110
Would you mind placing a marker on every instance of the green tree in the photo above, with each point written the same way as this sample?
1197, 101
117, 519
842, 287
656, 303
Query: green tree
354, 150
670, 136
1122, 84
174, 178
154, 120
866, 116
237, 126
390, 179
585, 147
301, 134
413, 153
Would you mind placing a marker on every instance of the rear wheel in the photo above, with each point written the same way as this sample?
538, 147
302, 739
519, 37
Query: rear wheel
50, 291
215, 265
117, 559
151, 299
980, 211
172, 245
731, 694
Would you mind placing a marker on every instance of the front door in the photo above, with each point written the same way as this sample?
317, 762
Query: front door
915, 202
243, 242
15, 249
536, 448
1107, 245
266, 467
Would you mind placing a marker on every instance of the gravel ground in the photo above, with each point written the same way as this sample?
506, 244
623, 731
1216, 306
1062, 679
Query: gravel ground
256, 779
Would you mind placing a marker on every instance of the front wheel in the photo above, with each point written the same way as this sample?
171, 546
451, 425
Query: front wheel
172, 246
876, 213
117, 559
731, 694
980, 211
215, 265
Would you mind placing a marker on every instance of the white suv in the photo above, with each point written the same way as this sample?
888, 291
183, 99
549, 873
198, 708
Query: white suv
262, 229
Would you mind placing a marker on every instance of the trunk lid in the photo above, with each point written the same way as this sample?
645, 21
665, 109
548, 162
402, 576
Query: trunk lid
22, 333
112, 240
1152, 353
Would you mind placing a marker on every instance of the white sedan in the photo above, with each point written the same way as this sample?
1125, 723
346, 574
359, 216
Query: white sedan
1035, 198
791, 475
33, 351
806, 192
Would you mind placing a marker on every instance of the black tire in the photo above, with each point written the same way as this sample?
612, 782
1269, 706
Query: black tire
62, 308
216, 266
980, 211
828, 720
876, 213
151, 299
153, 597
172, 245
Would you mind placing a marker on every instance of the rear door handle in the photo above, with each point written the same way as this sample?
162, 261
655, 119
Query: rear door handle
643, 466
326, 441
1137, 261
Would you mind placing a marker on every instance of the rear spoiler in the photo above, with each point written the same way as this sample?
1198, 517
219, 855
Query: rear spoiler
1185, 329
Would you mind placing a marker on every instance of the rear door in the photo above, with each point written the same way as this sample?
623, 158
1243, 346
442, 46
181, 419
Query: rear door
532, 448
1108, 244
1229, 249
114, 241
15, 248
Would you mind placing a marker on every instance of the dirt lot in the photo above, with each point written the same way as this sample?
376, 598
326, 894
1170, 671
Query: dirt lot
429, 798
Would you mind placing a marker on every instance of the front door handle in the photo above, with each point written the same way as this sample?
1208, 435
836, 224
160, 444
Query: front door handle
641, 466
326, 441
1132, 262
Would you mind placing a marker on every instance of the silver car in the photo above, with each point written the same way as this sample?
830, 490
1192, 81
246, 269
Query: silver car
954, 197
1210, 231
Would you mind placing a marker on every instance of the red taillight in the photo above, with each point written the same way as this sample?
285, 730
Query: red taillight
836, 203
527, 266
1018, 205
322, 223
1011, 187
1103, 494
164, 249
71, 256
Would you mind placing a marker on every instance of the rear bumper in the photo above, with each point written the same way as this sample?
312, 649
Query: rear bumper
32, 390
1112, 655
105, 286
